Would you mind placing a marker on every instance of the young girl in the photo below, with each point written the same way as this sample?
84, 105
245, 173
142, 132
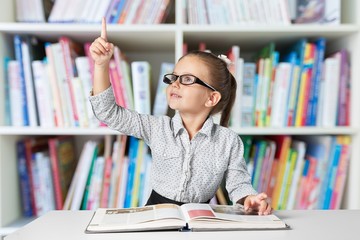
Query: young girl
191, 154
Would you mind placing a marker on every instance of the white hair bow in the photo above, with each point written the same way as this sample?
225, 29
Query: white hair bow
225, 59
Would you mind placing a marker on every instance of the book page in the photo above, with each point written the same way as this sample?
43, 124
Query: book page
128, 216
202, 217
197, 210
161, 216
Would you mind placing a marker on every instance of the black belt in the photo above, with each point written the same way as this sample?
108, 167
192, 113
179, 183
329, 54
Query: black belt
156, 198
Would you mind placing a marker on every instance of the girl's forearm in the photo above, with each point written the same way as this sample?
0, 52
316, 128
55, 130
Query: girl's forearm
101, 78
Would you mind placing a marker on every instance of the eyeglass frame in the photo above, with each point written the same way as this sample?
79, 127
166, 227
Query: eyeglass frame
197, 80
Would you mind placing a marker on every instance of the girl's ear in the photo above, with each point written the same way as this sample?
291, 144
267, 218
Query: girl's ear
213, 99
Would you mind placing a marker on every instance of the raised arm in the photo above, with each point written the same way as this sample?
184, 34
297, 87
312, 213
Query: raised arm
101, 52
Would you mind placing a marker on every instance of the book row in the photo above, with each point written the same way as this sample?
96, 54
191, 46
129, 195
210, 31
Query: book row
233, 12
48, 84
301, 85
296, 172
276, 12
82, 11
108, 173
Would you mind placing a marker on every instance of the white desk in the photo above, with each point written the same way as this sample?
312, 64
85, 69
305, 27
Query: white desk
305, 225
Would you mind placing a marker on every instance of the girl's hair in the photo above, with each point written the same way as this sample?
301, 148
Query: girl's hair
222, 80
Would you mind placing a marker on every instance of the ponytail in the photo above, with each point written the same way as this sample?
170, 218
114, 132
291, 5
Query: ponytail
226, 112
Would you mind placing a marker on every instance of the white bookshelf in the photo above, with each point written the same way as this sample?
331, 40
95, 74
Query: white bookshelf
164, 43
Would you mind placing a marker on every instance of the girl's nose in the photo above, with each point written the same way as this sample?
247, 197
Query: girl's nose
176, 83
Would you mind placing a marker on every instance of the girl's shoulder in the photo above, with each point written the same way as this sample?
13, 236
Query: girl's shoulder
227, 132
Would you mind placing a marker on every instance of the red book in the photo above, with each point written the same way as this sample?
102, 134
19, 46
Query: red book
115, 83
104, 198
71, 50
31, 146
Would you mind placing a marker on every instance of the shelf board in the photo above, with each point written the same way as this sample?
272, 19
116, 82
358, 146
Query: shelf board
56, 131
254, 37
159, 37
297, 131
241, 131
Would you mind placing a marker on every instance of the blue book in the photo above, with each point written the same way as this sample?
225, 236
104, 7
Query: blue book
133, 150
18, 57
299, 48
119, 9
24, 179
331, 175
315, 86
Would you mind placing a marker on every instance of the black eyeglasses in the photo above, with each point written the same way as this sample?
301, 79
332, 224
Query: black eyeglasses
186, 79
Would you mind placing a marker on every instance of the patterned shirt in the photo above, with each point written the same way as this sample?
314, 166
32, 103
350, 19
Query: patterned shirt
183, 170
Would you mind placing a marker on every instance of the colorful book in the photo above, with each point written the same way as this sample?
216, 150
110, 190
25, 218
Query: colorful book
160, 103
63, 164
141, 85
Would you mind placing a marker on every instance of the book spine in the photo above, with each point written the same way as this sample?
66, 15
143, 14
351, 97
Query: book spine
56, 174
18, 57
25, 188
141, 83
16, 95
28, 158
69, 72
29, 84
133, 150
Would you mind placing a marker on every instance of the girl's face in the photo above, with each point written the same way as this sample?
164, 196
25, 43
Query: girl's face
189, 98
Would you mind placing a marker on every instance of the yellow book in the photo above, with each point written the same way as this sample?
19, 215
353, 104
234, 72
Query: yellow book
300, 103
288, 182
283, 145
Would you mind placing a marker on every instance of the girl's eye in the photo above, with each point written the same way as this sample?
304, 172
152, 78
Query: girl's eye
187, 79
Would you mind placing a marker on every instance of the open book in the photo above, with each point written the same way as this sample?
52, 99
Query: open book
191, 216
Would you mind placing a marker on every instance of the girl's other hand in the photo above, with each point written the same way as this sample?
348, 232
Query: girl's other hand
101, 50
257, 203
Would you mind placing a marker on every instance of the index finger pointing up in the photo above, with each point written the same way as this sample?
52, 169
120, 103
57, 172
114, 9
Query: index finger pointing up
103, 29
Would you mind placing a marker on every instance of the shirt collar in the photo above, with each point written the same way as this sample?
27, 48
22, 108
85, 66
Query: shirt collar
178, 125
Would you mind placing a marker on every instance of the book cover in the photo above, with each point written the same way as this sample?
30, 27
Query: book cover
63, 163
16, 94
160, 103
24, 180
283, 143
44, 97
19, 58
133, 155
300, 148
341, 173
80, 176
70, 51
105, 190
141, 82
318, 12
248, 95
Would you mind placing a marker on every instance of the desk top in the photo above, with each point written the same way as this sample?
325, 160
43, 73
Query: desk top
305, 224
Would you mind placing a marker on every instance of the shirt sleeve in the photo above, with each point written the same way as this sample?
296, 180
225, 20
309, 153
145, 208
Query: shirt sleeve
125, 121
238, 179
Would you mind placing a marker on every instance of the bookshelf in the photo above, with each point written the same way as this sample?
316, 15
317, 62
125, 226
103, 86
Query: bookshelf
158, 43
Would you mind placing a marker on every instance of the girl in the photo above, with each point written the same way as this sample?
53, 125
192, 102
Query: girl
191, 154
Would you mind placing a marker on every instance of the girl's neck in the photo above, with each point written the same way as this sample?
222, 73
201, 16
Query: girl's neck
193, 123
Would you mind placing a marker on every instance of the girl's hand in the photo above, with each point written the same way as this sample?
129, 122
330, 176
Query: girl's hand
101, 50
257, 203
